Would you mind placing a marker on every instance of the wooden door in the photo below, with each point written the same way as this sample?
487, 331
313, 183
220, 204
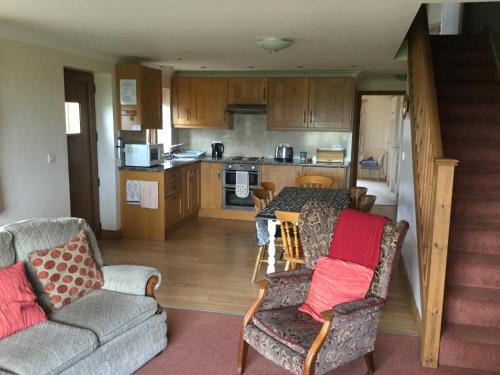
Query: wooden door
181, 101
208, 102
281, 175
287, 103
331, 103
247, 91
211, 185
81, 133
151, 98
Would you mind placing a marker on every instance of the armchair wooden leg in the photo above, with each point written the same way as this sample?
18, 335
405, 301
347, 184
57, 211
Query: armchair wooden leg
242, 356
370, 363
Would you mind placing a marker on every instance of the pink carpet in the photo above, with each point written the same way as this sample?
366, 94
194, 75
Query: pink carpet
206, 343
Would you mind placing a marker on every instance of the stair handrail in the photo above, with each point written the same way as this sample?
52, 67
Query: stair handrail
433, 185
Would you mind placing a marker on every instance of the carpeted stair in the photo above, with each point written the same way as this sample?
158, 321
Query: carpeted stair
468, 89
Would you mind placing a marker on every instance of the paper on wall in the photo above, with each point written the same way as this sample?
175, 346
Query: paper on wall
128, 92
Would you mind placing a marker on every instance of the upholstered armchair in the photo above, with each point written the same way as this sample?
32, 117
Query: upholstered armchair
276, 329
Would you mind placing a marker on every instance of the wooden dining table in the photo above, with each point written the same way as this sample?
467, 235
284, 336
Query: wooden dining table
292, 199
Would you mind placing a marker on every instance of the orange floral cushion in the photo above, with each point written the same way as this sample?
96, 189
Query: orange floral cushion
68, 271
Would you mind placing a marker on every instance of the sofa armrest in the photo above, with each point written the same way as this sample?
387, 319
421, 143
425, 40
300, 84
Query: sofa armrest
131, 279
286, 288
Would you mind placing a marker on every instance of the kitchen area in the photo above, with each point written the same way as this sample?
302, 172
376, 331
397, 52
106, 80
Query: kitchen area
270, 128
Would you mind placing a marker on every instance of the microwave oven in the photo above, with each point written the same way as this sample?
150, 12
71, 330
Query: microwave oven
143, 155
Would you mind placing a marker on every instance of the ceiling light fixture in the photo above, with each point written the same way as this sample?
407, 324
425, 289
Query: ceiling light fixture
273, 43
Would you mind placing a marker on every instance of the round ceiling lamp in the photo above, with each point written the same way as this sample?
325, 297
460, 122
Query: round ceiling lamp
273, 43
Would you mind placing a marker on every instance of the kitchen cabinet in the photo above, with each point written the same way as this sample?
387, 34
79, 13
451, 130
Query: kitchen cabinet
337, 174
310, 104
247, 91
331, 103
281, 175
173, 209
199, 103
139, 99
287, 103
191, 189
211, 185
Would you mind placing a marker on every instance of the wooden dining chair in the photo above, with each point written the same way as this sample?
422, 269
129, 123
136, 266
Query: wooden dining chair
314, 181
367, 203
290, 237
356, 193
270, 187
260, 199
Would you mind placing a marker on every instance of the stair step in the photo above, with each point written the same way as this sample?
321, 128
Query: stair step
472, 306
474, 270
477, 92
476, 239
453, 56
484, 206
455, 111
463, 42
470, 347
466, 74
460, 133
475, 182
470, 156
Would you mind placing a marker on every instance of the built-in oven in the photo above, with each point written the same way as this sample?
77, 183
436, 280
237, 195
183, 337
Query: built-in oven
229, 197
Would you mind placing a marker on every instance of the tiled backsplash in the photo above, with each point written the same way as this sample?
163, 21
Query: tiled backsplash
251, 138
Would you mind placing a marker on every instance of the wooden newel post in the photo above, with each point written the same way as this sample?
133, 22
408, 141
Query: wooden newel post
436, 269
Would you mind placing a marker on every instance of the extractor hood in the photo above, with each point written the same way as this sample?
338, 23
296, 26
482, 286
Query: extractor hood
246, 108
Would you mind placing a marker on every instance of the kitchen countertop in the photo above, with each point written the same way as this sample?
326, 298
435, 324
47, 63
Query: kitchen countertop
271, 161
167, 165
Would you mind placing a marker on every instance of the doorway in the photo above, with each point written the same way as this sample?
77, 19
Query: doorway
376, 147
79, 92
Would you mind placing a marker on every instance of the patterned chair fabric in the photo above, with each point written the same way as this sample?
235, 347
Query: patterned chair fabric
284, 335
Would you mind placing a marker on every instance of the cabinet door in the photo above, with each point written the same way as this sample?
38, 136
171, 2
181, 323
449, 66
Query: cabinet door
247, 91
281, 175
151, 98
211, 185
331, 103
337, 174
181, 101
287, 103
173, 209
208, 102
194, 188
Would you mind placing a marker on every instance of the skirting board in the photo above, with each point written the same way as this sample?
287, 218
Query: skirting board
111, 234
227, 214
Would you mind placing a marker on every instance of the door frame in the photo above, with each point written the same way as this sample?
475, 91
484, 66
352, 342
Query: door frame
356, 126
93, 138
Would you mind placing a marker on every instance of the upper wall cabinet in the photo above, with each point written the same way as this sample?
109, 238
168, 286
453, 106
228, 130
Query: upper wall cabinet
310, 104
331, 103
199, 103
287, 103
139, 97
247, 91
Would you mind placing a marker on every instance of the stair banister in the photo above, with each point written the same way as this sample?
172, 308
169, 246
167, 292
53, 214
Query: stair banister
433, 179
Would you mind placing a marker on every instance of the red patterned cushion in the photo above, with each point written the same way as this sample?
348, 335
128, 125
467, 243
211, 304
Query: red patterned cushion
68, 271
18, 307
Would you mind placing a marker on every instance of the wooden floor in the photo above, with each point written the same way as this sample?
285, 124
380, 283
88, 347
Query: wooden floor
207, 264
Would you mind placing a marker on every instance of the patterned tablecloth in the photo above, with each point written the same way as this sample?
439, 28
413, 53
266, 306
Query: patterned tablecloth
293, 199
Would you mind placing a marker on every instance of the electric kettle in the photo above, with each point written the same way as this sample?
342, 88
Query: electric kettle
217, 149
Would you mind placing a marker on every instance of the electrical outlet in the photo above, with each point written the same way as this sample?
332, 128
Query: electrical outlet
51, 158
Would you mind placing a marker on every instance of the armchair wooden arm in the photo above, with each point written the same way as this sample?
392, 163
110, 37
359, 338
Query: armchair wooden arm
150, 291
312, 354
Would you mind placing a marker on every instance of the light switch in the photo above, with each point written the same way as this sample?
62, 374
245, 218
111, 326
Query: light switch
51, 158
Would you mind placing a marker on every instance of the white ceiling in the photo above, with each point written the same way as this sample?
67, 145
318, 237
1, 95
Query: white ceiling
220, 34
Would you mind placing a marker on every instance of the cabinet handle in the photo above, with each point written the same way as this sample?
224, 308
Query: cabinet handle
264, 94
310, 117
305, 116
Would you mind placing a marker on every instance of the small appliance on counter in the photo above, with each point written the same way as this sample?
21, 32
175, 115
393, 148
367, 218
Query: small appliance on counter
188, 154
330, 155
217, 149
284, 152
140, 155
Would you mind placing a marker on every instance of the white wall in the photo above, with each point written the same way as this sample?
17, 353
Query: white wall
32, 125
406, 211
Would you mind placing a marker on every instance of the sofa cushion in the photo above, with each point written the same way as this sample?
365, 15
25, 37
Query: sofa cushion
107, 314
45, 348
36, 234
68, 271
289, 326
7, 253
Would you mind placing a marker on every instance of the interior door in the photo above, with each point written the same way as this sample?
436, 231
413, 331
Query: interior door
394, 143
82, 146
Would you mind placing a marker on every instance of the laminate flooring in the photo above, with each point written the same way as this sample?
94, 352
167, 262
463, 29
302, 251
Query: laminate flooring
207, 265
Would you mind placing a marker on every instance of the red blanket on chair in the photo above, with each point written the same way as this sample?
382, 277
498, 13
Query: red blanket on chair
357, 237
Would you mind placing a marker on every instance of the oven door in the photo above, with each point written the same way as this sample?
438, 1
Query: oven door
230, 178
231, 200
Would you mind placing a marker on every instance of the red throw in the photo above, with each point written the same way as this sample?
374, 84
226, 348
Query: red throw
357, 237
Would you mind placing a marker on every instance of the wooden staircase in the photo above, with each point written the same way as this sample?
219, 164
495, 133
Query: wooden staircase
468, 95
